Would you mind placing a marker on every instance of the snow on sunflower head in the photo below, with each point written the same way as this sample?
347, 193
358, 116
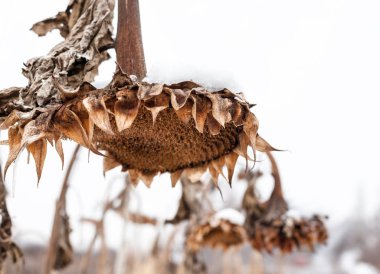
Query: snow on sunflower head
146, 128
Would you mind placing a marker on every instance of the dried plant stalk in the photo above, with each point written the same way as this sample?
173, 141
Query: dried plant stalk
60, 253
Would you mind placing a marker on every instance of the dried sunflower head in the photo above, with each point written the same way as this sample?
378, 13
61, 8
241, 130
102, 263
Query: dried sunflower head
215, 234
146, 129
288, 234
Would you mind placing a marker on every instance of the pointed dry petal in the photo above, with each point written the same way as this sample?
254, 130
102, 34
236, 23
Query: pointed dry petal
250, 128
38, 150
238, 113
147, 178
147, 91
185, 112
68, 124
98, 113
201, 107
109, 163
220, 107
178, 98
175, 176
14, 139
134, 176
231, 160
213, 125
88, 126
126, 109
59, 149
214, 174
157, 104
262, 145
218, 165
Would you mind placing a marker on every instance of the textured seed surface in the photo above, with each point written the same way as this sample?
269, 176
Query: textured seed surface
166, 145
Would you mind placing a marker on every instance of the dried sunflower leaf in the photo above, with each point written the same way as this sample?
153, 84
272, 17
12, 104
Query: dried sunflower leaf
178, 98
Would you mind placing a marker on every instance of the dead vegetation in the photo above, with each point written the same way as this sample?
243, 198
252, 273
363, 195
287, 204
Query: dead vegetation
146, 129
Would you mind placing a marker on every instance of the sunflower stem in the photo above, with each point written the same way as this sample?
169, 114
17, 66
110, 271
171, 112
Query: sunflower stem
129, 44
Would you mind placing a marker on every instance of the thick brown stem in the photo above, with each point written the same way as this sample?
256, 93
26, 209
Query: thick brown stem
60, 206
129, 44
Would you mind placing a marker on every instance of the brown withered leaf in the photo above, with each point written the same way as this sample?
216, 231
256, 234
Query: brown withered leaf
71, 62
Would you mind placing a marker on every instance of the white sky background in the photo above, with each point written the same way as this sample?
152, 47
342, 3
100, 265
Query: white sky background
312, 68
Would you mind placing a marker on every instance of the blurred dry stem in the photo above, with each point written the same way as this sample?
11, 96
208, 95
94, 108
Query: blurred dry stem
60, 253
